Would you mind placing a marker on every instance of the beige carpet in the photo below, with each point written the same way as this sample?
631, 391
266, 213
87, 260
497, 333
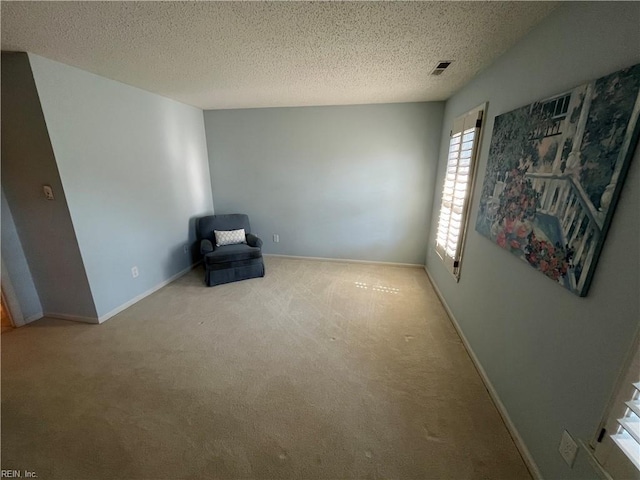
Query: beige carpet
319, 370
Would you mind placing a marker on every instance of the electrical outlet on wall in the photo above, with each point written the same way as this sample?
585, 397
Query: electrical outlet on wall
276, 238
48, 192
134, 272
568, 448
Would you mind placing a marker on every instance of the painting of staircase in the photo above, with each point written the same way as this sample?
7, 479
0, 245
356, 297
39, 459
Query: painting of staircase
554, 174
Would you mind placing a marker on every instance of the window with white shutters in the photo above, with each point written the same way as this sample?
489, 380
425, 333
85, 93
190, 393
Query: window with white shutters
617, 447
627, 435
458, 184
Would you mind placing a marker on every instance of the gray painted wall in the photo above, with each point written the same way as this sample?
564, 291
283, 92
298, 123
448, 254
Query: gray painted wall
44, 227
135, 171
17, 266
351, 182
553, 357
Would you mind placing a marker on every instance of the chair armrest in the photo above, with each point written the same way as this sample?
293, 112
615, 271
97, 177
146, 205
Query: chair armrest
253, 241
206, 246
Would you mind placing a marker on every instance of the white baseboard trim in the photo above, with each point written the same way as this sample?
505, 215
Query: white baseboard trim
136, 299
73, 318
33, 318
346, 260
513, 431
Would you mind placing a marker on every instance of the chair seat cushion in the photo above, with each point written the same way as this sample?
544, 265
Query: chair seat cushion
232, 253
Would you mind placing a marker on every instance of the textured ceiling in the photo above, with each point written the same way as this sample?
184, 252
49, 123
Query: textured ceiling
262, 54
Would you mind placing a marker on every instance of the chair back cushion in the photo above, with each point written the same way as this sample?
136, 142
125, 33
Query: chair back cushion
233, 221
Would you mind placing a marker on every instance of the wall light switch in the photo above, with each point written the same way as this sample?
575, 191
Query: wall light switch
568, 448
48, 192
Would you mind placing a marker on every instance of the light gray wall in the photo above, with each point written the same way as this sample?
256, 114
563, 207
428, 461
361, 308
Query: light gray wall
135, 172
351, 182
44, 227
17, 266
553, 357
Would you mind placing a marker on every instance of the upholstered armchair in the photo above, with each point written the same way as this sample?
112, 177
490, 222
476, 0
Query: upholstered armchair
233, 255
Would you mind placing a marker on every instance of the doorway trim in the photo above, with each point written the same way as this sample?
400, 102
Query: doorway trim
11, 300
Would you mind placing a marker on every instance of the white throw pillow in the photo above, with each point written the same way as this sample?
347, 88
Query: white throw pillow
229, 237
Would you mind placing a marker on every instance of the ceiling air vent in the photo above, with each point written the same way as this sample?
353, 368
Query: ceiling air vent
440, 67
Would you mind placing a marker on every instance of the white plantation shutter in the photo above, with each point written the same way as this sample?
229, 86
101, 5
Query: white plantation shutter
617, 448
458, 182
627, 436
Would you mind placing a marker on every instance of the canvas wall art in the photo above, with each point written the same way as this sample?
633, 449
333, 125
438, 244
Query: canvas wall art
554, 173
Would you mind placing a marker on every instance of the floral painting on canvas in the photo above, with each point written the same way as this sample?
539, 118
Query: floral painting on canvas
554, 174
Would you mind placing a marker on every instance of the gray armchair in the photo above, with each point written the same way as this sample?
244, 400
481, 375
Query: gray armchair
229, 263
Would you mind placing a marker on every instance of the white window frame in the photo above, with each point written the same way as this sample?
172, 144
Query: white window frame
609, 443
449, 238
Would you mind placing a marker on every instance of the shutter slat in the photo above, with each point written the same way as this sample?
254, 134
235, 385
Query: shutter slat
634, 406
632, 425
629, 446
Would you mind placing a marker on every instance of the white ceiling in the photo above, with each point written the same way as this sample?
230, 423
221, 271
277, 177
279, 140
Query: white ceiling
262, 54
